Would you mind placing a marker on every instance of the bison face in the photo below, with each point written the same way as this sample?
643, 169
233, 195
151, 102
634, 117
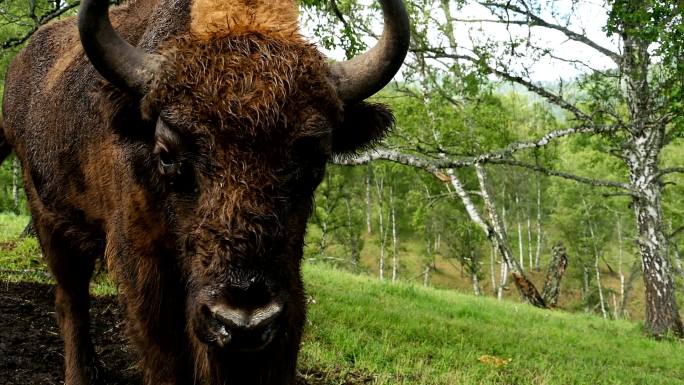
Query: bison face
244, 128
238, 207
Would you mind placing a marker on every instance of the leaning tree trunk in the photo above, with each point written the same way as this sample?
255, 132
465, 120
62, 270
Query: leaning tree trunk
496, 234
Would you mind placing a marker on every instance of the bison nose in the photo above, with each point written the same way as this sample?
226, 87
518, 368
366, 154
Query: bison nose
245, 329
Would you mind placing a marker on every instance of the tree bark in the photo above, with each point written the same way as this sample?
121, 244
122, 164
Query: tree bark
381, 229
369, 211
554, 275
492, 271
619, 308
353, 240
504, 279
537, 263
15, 184
394, 235
646, 141
585, 282
662, 313
602, 300
520, 238
476, 283
529, 240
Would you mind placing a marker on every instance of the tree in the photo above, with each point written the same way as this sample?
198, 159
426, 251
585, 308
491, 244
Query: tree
634, 102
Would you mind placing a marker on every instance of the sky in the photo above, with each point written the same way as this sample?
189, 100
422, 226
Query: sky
589, 18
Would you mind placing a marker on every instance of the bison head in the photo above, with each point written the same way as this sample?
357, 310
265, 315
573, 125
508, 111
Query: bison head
244, 124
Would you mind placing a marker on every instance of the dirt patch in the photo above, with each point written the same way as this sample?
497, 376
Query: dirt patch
31, 347
30, 344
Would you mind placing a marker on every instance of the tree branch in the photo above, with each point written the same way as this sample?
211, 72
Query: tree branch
338, 14
17, 41
671, 170
536, 21
539, 90
565, 175
432, 164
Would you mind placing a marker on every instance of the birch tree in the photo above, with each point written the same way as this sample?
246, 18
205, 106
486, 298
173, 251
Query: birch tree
638, 94
628, 89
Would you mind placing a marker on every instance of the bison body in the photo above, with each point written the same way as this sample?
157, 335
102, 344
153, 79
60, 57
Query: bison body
183, 150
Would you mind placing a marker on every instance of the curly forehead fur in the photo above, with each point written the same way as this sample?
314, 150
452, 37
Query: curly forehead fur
208, 17
245, 83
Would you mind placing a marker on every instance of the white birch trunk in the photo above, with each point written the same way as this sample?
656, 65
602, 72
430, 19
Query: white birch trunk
520, 238
494, 230
529, 241
15, 183
537, 262
600, 288
492, 269
476, 284
621, 305
645, 143
585, 282
662, 313
594, 242
394, 235
369, 211
503, 278
381, 228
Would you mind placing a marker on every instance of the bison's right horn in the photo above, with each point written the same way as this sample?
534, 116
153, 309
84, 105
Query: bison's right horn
366, 74
115, 59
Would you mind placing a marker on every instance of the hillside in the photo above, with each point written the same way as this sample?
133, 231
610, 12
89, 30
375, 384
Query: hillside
362, 331
404, 334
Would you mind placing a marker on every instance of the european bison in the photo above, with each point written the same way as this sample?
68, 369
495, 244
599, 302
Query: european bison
181, 141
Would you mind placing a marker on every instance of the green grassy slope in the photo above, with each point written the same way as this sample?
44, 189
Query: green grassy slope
362, 331
404, 334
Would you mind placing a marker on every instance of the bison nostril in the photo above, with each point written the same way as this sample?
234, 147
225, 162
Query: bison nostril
243, 329
237, 319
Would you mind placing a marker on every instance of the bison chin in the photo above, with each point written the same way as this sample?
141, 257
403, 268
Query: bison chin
248, 337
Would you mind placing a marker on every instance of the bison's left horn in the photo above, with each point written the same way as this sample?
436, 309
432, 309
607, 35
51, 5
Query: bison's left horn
364, 75
114, 58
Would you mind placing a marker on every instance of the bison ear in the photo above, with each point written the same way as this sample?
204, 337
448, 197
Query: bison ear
363, 125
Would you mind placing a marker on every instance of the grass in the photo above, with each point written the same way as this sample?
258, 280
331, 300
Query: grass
404, 334
362, 331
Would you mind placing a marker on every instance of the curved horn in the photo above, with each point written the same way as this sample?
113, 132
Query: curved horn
117, 61
364, 75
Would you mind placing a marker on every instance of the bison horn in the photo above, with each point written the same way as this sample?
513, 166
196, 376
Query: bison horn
364, 75
115, 59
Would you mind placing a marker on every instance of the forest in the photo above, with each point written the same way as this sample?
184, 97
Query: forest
536, 155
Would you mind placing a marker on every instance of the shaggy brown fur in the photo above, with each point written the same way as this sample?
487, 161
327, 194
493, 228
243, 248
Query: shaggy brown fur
201, 187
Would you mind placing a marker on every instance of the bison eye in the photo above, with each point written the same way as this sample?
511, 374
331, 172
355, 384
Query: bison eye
168, 165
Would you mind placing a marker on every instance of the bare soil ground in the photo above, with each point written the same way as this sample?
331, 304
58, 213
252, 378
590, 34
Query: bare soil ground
30, 344
31, 347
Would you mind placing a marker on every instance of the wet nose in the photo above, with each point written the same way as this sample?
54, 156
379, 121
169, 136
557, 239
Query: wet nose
245, 328
243, 314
